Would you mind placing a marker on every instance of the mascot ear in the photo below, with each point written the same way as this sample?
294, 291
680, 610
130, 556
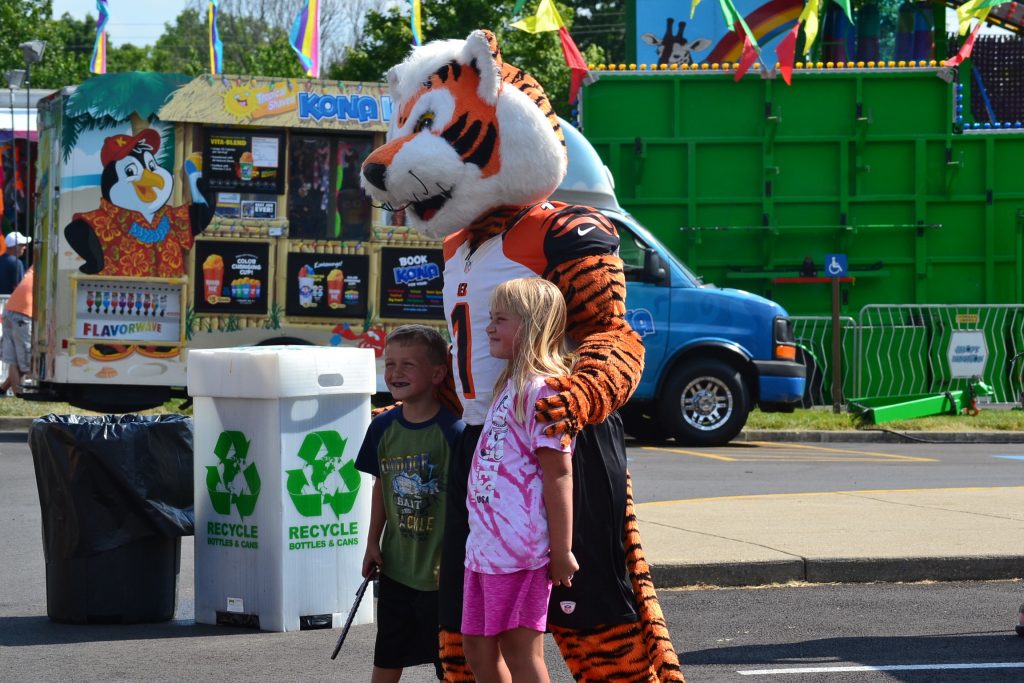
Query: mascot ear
481, 50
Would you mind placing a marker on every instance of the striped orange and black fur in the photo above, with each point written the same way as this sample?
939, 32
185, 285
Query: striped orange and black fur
610, 354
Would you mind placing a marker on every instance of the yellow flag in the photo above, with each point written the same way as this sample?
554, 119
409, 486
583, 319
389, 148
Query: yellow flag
973, 9
809, 18
546, 19
693, 7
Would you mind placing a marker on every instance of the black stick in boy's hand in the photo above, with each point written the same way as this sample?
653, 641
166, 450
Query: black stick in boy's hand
352, 612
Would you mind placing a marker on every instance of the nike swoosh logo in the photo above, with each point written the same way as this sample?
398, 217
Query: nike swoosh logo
584, 231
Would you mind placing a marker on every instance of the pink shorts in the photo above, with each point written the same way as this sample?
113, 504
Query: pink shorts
495, 603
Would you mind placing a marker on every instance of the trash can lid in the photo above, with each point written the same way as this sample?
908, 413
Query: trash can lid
262, 372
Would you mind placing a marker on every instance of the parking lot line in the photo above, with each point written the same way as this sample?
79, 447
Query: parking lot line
696, 454
767, 451
882, 667
891, 456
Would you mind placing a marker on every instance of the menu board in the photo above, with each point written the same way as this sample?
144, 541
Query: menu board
327, 285
244, 161
410, 285
231, 276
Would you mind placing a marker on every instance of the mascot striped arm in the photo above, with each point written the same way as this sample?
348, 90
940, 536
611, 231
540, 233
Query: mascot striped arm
473, 152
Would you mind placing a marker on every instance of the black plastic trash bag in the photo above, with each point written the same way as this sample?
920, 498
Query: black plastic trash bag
116, 496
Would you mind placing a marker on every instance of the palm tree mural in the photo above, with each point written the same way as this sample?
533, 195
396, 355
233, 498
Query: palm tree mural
106, 101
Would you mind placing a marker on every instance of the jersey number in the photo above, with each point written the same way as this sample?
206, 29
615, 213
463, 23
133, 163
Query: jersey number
463, 340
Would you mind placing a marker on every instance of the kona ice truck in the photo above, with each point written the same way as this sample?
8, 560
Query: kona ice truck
711, 354
178, 214
278, 245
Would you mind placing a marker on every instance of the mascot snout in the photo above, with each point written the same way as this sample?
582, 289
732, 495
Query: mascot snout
374, 173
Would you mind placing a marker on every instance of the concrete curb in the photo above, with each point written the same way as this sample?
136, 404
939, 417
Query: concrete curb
15, 424
832, 570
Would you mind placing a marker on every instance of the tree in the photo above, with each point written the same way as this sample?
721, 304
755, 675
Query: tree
387, 38
251, 46
601, 23
340, 20
69, 44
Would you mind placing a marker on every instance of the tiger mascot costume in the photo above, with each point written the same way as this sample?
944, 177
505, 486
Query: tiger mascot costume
473, 152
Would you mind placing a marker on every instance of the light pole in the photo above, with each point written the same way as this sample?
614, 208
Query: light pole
32, 52
15, 79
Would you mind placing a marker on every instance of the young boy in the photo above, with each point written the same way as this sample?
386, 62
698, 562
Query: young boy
408, 449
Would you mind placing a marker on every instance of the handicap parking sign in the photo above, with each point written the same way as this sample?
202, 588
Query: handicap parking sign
835, 265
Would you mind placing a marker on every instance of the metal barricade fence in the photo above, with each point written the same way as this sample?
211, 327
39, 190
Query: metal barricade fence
912, 349
894, 350
814, 339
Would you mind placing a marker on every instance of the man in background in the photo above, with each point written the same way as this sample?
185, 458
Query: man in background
12, 267
16, 344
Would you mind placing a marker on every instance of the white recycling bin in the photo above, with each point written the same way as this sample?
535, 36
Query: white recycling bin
282, 514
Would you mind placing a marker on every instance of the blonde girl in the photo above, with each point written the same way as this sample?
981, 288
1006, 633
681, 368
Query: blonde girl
519, 493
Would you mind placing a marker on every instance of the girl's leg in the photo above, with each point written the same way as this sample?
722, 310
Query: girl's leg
523, 650
485, 659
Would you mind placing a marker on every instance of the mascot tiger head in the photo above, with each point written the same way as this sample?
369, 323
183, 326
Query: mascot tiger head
469, 133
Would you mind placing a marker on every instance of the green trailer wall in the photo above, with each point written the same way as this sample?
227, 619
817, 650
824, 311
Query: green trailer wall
744, 180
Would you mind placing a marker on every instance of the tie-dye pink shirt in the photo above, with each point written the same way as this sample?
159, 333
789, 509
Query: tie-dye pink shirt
508, 523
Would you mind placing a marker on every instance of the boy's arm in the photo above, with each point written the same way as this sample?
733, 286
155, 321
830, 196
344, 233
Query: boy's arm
378, 517
556, 468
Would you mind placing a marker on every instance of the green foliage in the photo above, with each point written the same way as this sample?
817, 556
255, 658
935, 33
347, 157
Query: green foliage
104, 103
387, 39
602, 24
251, 47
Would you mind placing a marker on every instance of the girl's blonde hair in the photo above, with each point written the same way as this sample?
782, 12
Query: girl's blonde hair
540, 349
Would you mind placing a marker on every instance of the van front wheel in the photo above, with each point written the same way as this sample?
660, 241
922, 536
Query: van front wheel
705, 403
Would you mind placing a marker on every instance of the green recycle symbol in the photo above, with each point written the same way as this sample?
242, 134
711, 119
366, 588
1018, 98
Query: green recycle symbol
322, 452
231, 450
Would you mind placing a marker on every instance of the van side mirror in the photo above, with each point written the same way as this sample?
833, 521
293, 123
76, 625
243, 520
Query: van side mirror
653, 269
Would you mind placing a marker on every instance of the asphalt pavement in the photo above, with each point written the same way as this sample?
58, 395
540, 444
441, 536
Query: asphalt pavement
901, 535
944, 534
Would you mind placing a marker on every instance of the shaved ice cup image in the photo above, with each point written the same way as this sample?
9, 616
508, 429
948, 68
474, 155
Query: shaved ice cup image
335, 283
213, 277
245, 166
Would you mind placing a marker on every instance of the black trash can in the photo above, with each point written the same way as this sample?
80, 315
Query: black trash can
116, 498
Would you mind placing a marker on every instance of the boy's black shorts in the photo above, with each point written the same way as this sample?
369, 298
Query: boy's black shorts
407, 627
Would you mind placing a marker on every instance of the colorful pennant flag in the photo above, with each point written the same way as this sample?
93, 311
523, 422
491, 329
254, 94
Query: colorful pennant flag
968, 46
98, 62
216, 47
747, 58
785, 53
810, 19
574, 60
548, 19
751, 50
416, 18
305, 37
974, 9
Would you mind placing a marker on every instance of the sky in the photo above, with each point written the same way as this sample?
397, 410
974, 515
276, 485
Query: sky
139, 22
